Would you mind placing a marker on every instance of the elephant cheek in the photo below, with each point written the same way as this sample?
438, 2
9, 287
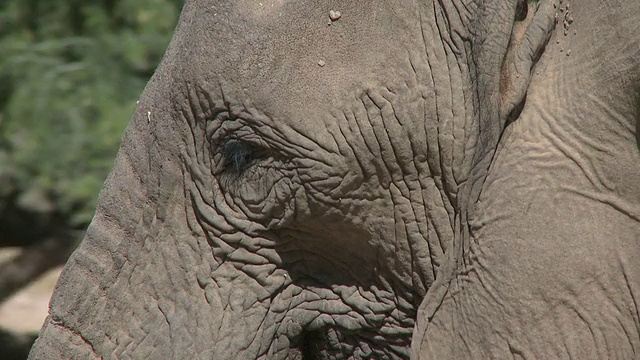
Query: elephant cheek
125, 292
143, 285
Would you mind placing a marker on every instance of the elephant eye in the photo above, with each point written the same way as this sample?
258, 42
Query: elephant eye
237, 155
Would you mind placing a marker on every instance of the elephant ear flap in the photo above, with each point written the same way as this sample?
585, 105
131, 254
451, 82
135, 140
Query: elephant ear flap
534, 23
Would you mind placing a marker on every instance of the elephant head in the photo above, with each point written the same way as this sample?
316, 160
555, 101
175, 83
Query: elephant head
442, 179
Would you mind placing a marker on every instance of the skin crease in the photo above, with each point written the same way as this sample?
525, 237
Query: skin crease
414, 180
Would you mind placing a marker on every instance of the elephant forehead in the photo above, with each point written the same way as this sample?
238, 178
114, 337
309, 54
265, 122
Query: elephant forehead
290, 57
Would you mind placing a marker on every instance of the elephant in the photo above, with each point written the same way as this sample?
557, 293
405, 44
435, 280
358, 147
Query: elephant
446, 179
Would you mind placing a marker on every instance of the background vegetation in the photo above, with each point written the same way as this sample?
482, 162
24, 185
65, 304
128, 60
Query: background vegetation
70, 74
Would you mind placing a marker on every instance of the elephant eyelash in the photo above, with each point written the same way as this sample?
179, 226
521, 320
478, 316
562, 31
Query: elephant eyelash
238, 155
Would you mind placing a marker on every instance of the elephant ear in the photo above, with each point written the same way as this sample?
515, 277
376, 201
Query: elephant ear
509, 39
532, 29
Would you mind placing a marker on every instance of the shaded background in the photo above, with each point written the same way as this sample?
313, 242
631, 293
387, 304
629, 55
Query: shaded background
70, 75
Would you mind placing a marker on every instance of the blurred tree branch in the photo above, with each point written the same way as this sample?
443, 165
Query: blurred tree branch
45, 238
34, 261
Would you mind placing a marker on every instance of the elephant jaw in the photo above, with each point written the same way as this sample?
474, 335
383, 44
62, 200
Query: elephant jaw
278, 317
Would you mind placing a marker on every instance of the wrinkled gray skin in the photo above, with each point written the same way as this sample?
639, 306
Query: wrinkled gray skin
457, 180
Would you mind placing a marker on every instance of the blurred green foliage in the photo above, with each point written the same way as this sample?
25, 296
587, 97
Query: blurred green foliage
70, 74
